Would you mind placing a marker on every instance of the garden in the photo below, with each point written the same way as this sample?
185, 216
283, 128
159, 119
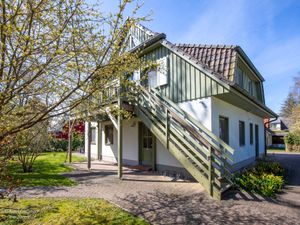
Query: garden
266, 178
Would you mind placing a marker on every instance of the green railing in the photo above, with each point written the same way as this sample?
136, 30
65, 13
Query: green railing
202, 153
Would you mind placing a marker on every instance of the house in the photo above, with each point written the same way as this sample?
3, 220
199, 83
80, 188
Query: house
275, 132
200, 115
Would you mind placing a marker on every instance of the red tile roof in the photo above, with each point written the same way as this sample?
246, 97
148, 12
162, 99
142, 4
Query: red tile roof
219, 58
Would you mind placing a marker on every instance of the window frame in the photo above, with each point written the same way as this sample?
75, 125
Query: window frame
242, 133
251, 133
111, 133
227, 136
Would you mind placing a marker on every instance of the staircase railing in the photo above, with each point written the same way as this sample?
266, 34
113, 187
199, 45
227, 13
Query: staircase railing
203, 154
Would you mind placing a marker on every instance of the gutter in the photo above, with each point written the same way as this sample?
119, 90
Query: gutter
265, 133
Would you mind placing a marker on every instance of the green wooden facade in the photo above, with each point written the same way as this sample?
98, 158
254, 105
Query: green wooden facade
185, 80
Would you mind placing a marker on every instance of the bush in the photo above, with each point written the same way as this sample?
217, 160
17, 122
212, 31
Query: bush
58, 145
292, 141
266, 178
292, 138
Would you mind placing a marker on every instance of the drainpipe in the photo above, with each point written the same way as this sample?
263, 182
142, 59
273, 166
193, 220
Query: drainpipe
265, 133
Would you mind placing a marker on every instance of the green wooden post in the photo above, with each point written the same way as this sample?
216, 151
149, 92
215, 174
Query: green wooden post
167, 127
99, 141
120, 137
210, 178
89, 146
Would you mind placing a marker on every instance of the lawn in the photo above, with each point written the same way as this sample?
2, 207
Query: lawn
47, 171
64, 211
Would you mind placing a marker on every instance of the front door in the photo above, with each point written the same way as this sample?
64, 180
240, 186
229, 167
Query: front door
147, 146
256, 141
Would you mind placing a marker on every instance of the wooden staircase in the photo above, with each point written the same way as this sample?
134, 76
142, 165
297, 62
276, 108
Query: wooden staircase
204, 155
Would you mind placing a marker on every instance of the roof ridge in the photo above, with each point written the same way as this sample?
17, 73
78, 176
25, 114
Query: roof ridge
205, 45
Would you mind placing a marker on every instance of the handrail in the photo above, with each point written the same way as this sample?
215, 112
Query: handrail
197, 144
212, 138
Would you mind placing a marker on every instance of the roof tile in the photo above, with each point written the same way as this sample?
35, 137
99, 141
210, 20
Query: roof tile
218, 58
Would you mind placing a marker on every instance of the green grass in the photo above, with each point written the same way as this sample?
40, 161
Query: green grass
64, 211
47, 171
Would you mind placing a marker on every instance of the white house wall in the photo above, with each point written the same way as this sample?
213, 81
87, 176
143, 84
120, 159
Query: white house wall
234, 114
207, 112
164, 159
200, 109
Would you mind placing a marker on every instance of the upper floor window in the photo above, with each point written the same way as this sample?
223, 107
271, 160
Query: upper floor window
240, 77
245, 81
159, 76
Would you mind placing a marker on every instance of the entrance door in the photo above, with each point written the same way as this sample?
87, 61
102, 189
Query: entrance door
147, 146
256, 141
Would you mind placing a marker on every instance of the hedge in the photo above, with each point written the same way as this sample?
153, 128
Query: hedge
292, 142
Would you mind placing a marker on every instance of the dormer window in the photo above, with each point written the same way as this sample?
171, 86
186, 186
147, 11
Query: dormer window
240, 77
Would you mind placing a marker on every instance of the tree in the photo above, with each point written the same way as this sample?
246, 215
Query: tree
290, 109
295, 118
288, 105
59, 52
30, 143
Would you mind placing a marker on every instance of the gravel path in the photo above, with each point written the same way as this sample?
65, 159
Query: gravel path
162, 200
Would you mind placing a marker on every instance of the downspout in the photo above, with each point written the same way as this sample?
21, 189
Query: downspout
265, 133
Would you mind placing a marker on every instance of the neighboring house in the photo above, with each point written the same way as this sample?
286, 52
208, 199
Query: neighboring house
201, 114
276, 131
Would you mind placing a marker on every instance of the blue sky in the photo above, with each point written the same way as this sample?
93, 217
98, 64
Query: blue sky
267, 30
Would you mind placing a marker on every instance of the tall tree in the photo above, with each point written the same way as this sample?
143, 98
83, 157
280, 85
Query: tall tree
291, 106
60, 53
288, 105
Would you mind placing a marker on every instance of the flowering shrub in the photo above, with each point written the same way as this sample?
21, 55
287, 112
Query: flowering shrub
266, 178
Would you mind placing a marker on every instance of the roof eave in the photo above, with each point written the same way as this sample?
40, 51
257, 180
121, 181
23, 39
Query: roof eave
237, 90
148, 42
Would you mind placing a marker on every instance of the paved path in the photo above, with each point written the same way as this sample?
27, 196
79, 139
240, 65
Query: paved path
291, 161
162, 200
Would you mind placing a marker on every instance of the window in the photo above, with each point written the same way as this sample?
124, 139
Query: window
250, 87
223, 129
242, 133
93, 135
251, 134
240, 78
159, 76
109, 134
152, 78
